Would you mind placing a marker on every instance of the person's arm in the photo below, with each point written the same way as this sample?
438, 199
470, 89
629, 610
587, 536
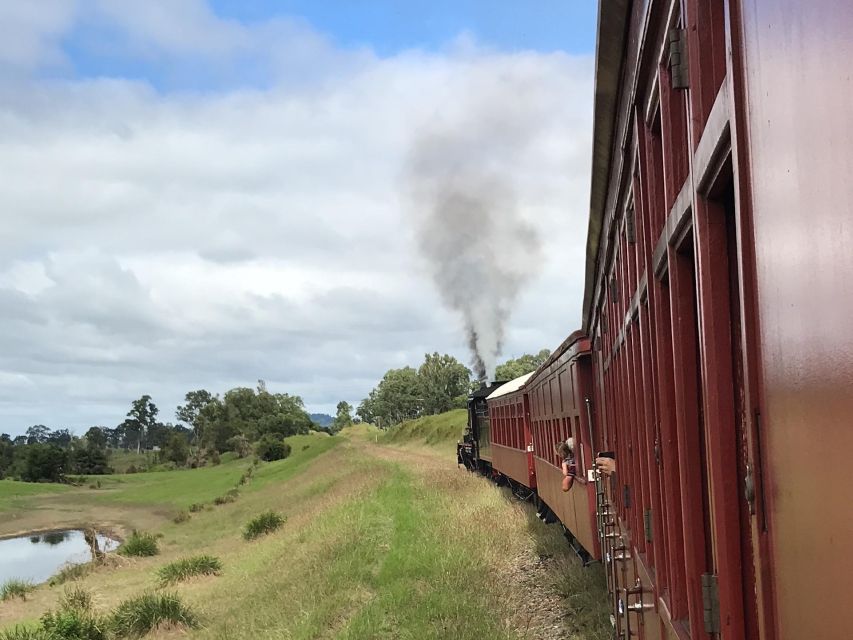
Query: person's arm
606, 465
568, 472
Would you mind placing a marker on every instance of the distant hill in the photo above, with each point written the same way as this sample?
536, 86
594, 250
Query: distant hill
321, 419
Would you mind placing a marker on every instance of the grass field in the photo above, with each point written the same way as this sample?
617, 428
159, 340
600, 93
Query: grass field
15, 495
439, 430
378, 542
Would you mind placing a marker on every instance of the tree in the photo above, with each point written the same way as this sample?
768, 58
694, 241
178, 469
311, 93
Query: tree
7, 455
143, 415
526, 363
240, 445
214, 430
158, 435
177, 449
89, 460
189, 412
97, 437
37, 434
44, 463
343, 418
442, 380
60, 437
397, 397
365, 409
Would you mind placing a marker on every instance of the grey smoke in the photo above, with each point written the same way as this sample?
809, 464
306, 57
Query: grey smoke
480, 248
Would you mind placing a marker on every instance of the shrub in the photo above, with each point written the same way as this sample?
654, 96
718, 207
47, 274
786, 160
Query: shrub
177, 449
74, 624
76, 599
231, 496
70, 572
186, 568
271, 447
139, 544
182, 516
25, 633
132, 469
195, 507
240, 445
262, 524
137, 616
14, 588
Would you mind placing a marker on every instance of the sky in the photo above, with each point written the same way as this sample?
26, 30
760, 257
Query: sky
202, 194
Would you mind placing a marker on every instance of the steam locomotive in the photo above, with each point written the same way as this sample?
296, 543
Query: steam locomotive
714, 358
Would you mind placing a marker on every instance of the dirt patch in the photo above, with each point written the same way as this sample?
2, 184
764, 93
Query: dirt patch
541, 612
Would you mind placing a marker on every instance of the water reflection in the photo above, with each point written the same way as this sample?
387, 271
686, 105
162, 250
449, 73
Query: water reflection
37, 557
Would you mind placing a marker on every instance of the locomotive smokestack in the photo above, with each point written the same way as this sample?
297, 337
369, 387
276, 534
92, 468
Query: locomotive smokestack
470, 229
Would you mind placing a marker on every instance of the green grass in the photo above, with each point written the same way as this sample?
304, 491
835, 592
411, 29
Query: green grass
16, 495
120, 460
186, 568
262, 524
76, 598
441, 429
14, 588
71, 572
75, 624
381, 542
19, 632
137, 616
139, 544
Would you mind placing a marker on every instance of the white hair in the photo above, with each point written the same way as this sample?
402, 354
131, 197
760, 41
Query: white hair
570, 443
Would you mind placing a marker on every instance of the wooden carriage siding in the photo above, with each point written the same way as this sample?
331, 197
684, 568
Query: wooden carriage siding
717, 299
715, 356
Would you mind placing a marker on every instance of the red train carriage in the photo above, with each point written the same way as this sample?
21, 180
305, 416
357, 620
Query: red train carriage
512, 445
719, 360
561, 406
718, 298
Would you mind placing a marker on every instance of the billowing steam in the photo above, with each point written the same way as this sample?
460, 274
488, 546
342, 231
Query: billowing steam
469, 224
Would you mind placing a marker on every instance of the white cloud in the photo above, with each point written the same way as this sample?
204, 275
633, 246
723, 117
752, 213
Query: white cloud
30, 33
155, 242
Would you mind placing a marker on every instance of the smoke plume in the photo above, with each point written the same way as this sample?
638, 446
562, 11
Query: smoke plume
469, 224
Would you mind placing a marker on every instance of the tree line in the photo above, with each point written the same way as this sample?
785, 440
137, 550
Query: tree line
243, 420
439, 384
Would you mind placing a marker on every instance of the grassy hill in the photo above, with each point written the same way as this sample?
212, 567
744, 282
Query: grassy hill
378, 542
444, 430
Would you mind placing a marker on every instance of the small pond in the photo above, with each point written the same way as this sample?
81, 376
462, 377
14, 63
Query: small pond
38, 556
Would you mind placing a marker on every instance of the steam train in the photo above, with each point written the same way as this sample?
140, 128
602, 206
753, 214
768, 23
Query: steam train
715, 358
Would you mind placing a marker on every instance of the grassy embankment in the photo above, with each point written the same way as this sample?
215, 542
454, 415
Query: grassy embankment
442, 431
377, 542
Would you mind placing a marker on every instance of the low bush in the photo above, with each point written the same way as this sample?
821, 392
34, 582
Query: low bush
25, 633
262, 524
137, 616
74, 624
14, 588
186, 568
181, 517
231, 496
139, 544
76, 599
195, 507
70, 572
271, 448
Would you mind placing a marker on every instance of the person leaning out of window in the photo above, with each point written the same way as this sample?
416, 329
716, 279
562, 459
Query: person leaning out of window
566, 452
